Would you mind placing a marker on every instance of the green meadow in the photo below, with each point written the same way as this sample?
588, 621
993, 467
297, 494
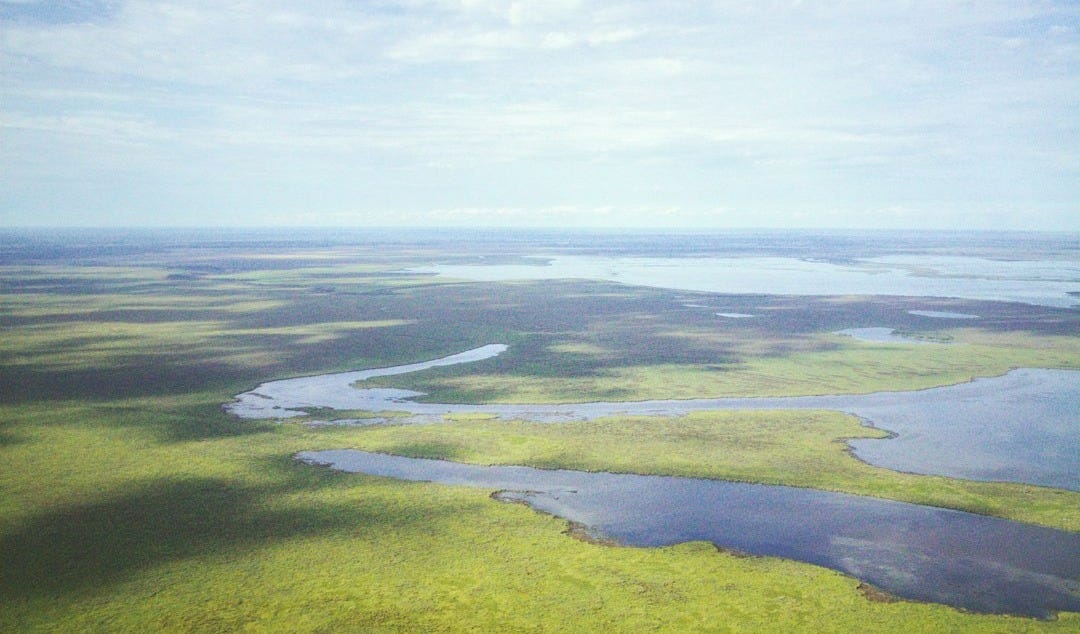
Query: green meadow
795, 448
129, 501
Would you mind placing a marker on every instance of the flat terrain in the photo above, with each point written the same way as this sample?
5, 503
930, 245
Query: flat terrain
130, 501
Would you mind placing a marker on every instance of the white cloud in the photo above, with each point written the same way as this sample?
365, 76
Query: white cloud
718, 104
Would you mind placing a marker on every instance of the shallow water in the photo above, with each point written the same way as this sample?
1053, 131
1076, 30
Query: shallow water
1019, 427
941, 314
287, 397
969, 561
1038, 282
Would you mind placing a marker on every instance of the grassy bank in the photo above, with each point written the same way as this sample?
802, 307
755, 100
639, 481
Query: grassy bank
122, 516
796, 448
837, 366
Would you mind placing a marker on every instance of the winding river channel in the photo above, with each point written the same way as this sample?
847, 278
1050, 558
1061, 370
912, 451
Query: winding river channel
1021, 426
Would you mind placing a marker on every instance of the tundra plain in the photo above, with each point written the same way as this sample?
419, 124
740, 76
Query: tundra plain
130, 500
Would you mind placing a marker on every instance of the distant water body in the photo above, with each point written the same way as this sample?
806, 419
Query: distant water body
25, 245
1037, 282
1038, 268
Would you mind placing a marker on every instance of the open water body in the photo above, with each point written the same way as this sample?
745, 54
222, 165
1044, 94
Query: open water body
1037, 282
968, 561
939, 314
1020, 427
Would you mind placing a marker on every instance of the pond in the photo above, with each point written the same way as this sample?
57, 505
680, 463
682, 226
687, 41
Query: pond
973, 562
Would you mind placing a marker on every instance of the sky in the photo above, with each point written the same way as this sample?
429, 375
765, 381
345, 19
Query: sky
556, 113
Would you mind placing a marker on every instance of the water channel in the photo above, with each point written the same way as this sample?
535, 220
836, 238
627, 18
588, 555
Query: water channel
978, 563
1021, 426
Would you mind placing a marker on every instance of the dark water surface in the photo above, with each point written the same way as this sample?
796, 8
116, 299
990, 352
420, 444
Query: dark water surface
978, 563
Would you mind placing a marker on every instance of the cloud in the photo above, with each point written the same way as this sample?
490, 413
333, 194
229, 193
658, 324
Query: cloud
712, 104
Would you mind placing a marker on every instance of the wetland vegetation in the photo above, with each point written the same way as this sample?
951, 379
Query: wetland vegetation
129, 500
911, 551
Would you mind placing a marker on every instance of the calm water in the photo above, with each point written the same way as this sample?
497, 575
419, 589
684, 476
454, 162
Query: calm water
283, 399
1019, 427
969, 561
941, 314
1039, 282
78, 245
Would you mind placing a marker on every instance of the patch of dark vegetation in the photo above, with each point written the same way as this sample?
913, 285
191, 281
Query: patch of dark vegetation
143, 375
735, 552
8, 439
930, 337
587, 534
198, 423
875, 594
430, 449
575, 530
107, 540
129, 315
331, 414
77, 286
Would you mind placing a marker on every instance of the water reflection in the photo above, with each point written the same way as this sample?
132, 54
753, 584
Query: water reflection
969, 561
1017, 427
1038, 282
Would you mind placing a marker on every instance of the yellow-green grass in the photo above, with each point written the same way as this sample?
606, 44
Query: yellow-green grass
95, 343
112, 273
59, 306
109, 523
343, 275
161, 513
850, 368
798, 448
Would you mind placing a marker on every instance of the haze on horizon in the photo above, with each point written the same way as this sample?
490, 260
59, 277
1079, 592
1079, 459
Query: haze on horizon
916, 114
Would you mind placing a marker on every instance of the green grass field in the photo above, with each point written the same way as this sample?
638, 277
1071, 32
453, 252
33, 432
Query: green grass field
797, 448
130, 502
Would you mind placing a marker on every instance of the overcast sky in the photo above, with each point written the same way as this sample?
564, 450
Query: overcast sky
550, 113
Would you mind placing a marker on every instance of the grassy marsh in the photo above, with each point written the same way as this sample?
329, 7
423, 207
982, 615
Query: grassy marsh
225, 532
796, 448
130, 502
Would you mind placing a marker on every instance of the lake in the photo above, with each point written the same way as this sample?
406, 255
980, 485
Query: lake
969, 561
1037, 282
